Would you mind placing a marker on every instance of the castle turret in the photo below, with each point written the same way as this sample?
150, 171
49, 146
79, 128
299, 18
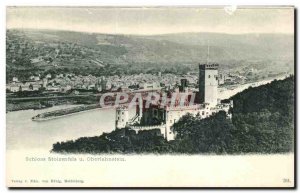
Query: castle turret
183, 85
122, 117
208, 83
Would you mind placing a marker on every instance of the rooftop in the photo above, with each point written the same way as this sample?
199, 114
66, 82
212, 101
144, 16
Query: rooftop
208, 66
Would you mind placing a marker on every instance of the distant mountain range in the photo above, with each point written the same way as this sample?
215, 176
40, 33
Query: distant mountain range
47, 48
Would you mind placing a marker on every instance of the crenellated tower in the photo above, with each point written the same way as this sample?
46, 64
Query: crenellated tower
122, 117
208, 83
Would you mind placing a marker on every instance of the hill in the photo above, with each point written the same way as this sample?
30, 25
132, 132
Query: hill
47, 49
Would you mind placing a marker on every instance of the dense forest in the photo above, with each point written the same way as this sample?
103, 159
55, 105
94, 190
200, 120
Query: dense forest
119, 141
262, 122
264, 117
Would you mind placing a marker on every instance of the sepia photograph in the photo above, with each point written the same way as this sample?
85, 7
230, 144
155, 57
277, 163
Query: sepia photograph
197, 96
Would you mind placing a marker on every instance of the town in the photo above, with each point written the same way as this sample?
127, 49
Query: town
69, 81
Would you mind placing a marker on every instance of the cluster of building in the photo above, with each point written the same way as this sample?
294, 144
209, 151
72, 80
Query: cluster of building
70, 81
33, 84
163, 117
231, 79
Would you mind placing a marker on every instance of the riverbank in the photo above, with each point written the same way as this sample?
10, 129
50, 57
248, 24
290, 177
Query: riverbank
14, 103
26, 105
227, 92
64, 112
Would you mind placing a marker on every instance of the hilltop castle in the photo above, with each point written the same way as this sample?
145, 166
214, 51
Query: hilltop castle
162, 114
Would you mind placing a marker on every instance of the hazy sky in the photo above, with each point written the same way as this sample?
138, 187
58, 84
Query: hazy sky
153, 20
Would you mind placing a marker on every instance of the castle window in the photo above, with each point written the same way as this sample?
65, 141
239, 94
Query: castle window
122, 120
122, 113
208, 76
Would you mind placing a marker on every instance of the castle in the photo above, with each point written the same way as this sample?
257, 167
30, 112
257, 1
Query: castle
162, 114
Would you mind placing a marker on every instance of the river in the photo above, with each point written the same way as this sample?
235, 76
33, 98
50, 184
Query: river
23, 133
227, 93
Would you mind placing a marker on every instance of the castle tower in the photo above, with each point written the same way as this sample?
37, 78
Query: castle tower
183, 85
122, 117
208, 83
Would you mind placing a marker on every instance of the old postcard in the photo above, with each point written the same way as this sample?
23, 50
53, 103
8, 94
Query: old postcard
150, 97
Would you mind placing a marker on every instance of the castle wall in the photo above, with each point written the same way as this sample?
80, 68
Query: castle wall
150, 127
174, 114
